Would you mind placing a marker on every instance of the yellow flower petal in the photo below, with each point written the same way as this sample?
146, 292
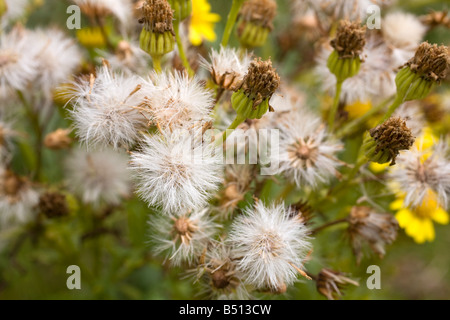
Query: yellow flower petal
440, 216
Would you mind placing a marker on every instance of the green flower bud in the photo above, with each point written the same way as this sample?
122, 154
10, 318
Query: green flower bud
157, 35
251, 100
343, 68
383, 143
344, 62
256, 22
418, 76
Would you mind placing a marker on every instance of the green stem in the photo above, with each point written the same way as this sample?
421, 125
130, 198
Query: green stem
397, 102
184, 60
157, 63
355, 124
329, 224
232, 16
362, 160
34, 119
334, 108
237, 121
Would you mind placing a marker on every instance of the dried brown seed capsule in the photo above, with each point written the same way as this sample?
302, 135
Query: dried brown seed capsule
350, 39
385, 141
430, 61
375, 229
330, 283
53, 205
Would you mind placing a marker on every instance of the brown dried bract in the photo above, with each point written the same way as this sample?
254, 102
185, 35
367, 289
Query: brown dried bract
431, 61
330, 283
53, 205
350, 39
157, 16
259, 12
261, 81
375, 229
436, 18
392, 136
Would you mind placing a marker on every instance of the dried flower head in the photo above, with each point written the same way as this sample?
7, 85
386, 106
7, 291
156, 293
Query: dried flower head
436, 18
238, 178
350, 39
53, 205
307, 155
260, 82
330, 283
269, 245
218, 274
388, 139
98, 176
430, 61
17, 198
420, 170
259, 12
375, 229
58, 139
226, 67
157, 16
176, 171
182, 237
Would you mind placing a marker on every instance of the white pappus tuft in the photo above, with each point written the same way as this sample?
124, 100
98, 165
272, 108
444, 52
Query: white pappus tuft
182, 237
98, 176
17, 199
307, 155
177, 101
416, 172
18, 63
176, 171
227, 68
58, 57
106, 109
270, 246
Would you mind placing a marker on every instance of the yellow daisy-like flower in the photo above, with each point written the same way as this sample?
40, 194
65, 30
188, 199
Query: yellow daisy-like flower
418, 221
202, 22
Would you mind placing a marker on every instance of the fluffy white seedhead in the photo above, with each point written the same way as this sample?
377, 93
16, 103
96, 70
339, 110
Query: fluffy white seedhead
17, 199
270, 244
18, 60
98, 176
417, 174
176, 172
121, 9
307, 155
375, 79
413, 114
106, 109
342, 9
57, 59
226, 66
177, 101
402, 30
15, 9
183, 237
